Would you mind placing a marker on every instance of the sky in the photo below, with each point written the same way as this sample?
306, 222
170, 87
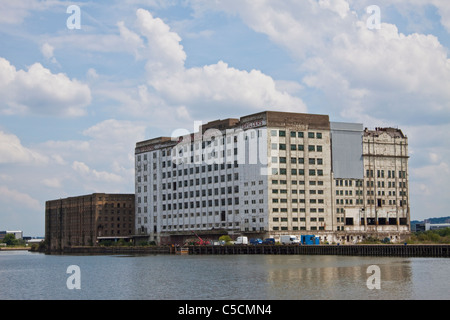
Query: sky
79, 88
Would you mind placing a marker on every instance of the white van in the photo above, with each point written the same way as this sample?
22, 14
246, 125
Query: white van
289, 239
241, 240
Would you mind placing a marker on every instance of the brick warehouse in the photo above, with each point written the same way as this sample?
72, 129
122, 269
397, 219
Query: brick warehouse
86, 220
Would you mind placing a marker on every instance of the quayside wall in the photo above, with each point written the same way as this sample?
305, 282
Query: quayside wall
345, 250
113, 250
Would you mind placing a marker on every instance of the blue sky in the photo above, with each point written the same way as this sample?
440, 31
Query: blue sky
75, 101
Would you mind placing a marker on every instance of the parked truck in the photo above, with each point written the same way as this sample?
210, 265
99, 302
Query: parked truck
289, 239
309, 239
241, 240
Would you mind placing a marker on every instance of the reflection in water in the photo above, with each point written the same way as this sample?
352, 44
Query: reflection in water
263, 277
331, 277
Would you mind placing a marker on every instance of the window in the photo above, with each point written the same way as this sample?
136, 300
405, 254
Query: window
282, 133
293, 134
319, 135
300, 134
273, 133
311, 135
311, 148
282, 146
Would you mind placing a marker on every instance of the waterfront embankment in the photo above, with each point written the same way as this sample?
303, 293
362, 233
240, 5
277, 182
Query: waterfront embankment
416, 250
15, 248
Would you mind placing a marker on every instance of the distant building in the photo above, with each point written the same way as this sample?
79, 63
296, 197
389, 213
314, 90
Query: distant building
17, 234
436, 226
271, 174
86, 220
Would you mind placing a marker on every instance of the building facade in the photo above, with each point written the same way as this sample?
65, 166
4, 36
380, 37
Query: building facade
274, 173
88, 219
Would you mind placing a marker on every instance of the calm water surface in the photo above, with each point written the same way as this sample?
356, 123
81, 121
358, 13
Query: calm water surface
25, 275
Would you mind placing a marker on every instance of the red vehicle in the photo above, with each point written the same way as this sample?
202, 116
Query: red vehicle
200, 241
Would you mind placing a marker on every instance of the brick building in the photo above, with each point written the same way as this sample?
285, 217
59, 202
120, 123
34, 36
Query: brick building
86, 220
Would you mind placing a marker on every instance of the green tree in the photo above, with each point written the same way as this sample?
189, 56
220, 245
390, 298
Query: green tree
10, 239
225, 238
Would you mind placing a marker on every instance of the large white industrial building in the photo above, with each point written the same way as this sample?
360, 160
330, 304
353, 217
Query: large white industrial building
274, 173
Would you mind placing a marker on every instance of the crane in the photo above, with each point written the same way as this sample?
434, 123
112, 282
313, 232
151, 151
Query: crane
201, 242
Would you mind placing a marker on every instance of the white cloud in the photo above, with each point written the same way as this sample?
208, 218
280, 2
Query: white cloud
47, 52
38, 91
164, 52
14, 12
12, 151
364, 74
52, 183
412, 10
92, 174
11, 196
114, 132
203, 88
384, 74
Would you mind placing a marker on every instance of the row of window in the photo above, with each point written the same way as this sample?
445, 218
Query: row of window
130, 218
349, 201
390, 174
296, 228
113, 232
300, 172
200, 226
348, 183
295, 191
381, 184
295, 147
116, 225
103, 212
349, 192
294, 200
374, 221
295, 160
296, 210
299, 182
295, 134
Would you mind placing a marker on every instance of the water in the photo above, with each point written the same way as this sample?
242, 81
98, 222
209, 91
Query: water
25, 275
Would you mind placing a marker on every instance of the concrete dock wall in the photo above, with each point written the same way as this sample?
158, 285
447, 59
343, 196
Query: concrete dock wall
345, 250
